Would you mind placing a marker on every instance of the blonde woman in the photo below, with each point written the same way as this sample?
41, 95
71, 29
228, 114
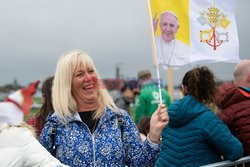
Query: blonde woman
87, 129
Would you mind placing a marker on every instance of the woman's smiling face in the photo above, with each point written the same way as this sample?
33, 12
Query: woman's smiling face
84, 84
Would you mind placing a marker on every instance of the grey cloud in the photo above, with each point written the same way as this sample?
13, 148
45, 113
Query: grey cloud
34, 34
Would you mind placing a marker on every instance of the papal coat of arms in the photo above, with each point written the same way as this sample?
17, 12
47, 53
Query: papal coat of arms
216, 21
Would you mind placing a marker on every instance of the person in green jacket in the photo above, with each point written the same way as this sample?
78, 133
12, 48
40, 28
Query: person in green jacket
149, 98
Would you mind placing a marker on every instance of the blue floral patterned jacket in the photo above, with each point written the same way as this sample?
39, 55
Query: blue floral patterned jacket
76, 146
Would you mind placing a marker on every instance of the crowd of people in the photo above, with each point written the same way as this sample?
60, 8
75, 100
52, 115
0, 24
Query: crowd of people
80, 124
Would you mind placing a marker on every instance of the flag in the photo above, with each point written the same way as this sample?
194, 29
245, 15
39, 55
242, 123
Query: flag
213, 32
194, 31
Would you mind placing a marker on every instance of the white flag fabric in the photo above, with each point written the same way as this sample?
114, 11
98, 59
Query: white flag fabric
194, 31
213, 32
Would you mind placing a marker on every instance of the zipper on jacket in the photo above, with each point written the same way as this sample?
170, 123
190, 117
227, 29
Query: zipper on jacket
93, 141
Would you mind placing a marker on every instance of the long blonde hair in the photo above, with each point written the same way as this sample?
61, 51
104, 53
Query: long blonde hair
63, 101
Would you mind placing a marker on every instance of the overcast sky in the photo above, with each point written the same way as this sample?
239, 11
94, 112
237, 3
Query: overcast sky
34, 33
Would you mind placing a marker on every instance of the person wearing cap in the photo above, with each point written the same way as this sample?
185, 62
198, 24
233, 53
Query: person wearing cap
126, 95
170, 51
18, 145
149, 98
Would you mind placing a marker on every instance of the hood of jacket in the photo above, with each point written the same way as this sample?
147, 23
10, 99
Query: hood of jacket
185, 110
230, 94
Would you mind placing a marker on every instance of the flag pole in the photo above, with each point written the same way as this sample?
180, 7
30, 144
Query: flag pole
154, 51
170, 83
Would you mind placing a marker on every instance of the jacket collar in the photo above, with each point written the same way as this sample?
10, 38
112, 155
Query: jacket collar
245, 91
233, 95
107, 115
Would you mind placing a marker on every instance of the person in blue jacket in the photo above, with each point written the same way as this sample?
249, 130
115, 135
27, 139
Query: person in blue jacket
87, 129
195, 136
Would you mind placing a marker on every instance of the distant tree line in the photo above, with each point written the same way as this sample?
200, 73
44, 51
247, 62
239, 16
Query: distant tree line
10, 87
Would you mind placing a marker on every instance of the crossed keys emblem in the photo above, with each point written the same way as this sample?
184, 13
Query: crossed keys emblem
214, 19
